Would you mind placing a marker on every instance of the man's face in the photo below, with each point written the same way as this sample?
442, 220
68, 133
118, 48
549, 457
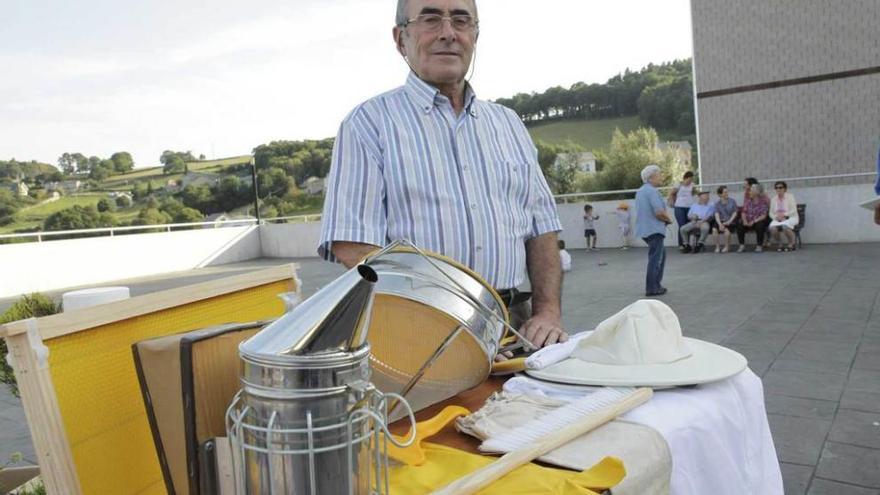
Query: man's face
703, 199
656, 179
439, 56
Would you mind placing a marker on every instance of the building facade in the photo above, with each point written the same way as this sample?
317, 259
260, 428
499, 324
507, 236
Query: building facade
786, 88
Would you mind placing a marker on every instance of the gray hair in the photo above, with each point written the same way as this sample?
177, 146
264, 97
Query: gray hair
649, 172
401, 17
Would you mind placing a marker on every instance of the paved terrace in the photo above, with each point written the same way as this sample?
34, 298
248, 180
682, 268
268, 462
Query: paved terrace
808, 321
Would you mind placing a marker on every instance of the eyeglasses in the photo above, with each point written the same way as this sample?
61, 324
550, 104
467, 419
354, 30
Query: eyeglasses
433, 22
778, 188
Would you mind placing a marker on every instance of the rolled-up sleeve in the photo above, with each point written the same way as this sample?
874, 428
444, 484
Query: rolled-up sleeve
354, 206
657, 203
544, 215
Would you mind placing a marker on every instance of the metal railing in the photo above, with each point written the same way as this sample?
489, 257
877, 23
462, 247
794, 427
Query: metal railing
168, 227
574, 197
560, 198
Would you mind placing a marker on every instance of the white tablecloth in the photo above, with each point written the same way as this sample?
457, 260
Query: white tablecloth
718, 435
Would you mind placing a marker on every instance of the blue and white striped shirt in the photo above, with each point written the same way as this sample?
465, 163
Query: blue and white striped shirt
467, 186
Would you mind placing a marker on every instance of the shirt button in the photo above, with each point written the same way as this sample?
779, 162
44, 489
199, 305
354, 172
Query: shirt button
479, 248
465, 168
473, 206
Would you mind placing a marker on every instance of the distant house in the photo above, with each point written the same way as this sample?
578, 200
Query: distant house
121, 194
586, 160
64, 186
172, 186
198, 179
18, 188
682, 150
314, 185
215, 220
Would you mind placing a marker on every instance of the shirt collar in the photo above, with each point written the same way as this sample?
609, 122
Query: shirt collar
428, 97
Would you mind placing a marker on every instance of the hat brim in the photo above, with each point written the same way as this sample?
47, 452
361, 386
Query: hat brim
708, 363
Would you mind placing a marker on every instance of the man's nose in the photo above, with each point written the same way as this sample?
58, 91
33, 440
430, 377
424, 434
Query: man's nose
446, 31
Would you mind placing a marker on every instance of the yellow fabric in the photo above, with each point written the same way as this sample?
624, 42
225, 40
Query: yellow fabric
99, 396
446, 464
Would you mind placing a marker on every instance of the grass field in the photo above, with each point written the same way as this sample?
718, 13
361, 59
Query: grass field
155, 173
591, 134
33, 216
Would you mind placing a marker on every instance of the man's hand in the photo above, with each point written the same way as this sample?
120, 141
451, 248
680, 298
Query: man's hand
351, 253
877, 214
545, 274
544, 329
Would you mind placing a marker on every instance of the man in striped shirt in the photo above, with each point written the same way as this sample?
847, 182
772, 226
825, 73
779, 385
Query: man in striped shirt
431, 163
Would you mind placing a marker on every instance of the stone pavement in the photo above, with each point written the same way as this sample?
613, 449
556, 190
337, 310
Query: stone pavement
808, 321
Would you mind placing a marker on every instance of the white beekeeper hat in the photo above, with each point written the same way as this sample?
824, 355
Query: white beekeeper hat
641, 345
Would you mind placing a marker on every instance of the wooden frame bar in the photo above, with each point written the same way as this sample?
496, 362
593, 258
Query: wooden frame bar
29, 359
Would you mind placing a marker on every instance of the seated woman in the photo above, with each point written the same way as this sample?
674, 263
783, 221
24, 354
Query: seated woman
754, 217
725, 218
783, 211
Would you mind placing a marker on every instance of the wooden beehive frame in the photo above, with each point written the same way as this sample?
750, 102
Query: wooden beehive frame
29, 359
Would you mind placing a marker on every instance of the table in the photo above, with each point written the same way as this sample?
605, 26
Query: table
717, 433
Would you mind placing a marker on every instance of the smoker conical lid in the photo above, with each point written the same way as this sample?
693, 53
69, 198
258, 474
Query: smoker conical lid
335, 319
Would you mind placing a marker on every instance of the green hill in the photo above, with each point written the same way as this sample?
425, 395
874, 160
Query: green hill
591, 134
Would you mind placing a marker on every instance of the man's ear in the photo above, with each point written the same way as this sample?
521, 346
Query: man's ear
398, 40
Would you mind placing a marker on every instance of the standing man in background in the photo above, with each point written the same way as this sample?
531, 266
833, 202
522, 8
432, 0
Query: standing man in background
431, 163
651, 221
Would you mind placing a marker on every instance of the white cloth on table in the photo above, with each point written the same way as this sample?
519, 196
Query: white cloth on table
718, 434
554, 353
643, 451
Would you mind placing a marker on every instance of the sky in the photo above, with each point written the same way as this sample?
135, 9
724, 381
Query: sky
220, 77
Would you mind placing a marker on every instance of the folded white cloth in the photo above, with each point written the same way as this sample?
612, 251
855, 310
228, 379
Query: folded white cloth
552, 354
717, 433
642, 449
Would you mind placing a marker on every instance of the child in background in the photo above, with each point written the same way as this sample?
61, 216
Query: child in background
589, 229
564, 257
623, 227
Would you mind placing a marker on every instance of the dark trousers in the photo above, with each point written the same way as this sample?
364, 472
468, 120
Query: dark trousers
681, 218
656, 262
760, 228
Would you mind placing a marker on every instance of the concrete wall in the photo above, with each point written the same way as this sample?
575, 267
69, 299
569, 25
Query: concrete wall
290, 240
756, 41
832, 216
50, 265
807, 129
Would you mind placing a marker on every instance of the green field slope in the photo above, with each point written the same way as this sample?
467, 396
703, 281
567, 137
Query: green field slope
591, 134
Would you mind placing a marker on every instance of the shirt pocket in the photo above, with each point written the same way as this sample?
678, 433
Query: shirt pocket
514, 183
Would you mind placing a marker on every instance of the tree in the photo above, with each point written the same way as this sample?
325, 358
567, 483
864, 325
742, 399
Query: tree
122, 162
152, 216
106, 204
82, 163
122, 202
188, 215
174, 165
99, 173
28, 306
67, 164
198, 197
139, 191
175, 161
77, 217
8, 206
629, 153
